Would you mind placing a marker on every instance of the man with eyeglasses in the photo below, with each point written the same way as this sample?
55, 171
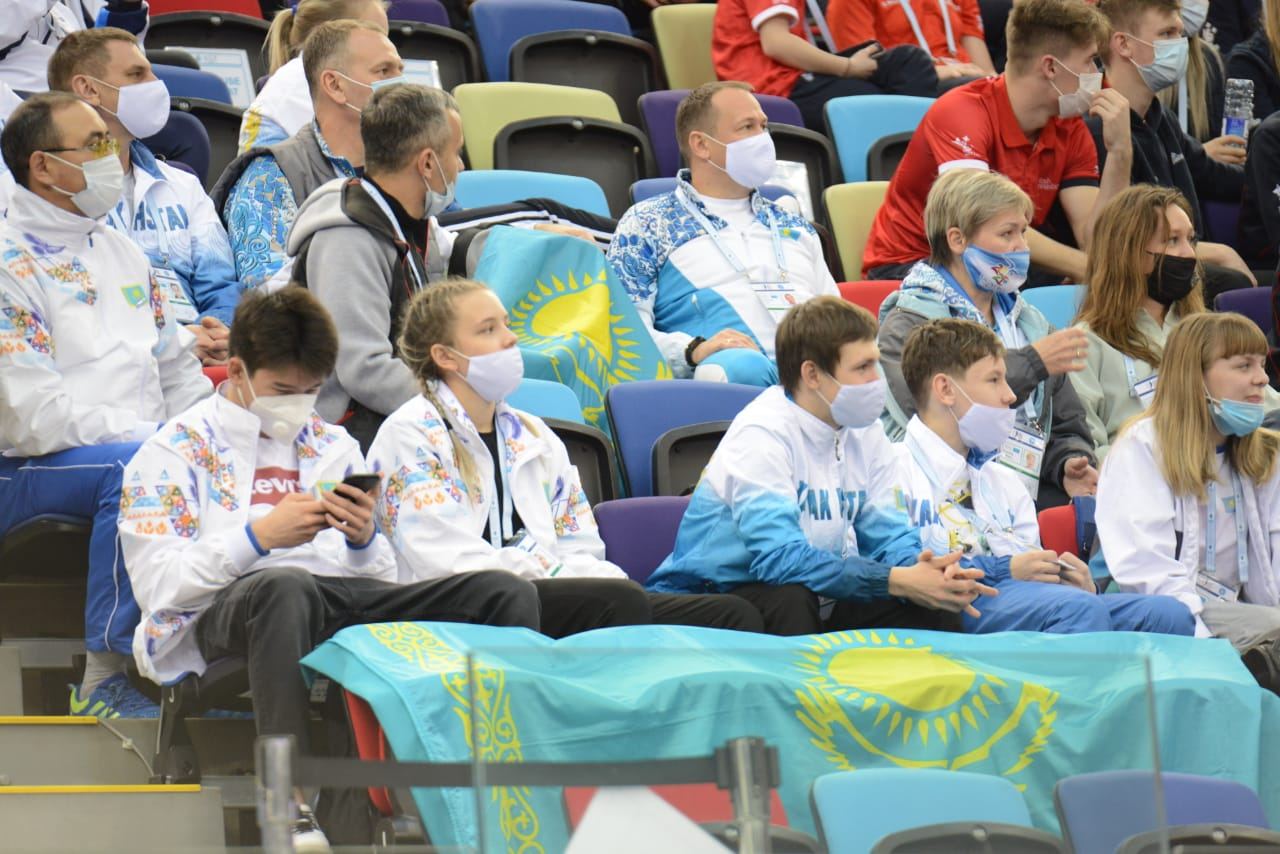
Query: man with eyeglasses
92, 361
164, 210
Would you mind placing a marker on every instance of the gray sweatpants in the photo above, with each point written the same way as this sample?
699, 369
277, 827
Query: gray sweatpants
1240, 622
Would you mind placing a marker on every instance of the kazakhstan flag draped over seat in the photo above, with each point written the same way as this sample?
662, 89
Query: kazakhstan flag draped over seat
575, 323
1030, 708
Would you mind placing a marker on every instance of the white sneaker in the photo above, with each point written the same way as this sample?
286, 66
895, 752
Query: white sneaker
308, 838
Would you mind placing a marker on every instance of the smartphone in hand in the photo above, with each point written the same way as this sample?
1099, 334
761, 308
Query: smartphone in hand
363, 482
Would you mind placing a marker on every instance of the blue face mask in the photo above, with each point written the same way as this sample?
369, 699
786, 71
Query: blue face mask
1235, 417
1002, 274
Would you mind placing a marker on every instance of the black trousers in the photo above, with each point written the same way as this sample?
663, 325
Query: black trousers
902, 70
572, 605
792, 609
276, 616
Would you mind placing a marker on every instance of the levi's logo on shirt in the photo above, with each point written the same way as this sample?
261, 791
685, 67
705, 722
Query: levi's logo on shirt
273, 483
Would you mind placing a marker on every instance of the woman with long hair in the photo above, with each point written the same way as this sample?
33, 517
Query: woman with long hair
1189, 499
473, 483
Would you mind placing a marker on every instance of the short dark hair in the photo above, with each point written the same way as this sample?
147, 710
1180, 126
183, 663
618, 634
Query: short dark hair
31, 128
83, 52
945, 346
284, 329
814, 331
326, 47
401, 120
696, 112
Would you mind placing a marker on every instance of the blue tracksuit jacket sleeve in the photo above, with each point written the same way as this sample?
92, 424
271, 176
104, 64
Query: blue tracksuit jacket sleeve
214, 288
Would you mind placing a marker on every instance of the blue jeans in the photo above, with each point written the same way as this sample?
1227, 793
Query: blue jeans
1033, 606
82, 482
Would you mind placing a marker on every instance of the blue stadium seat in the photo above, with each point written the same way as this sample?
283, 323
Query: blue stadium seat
422, 11
187, 83
482, 187
501, 23
547, 399
647, 188
1058, 303
641, 412
855, 122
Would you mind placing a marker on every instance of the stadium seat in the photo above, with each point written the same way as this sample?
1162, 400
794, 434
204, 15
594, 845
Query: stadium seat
639, 533
623, 66
855, 122
223, 685
885, 154
681, 455
1221, 221
189, 83
813, 150
683, 34
248, 8
855, 809
216, 374
658, 118
869, 293
184, 140
1202, 838
1098, 812
851, 208
1253, 303
1058, 303
591, 453
547, 399
501, 186
641, 412
613, 154
499, 24
970, 837
419, 11
647, 188
487, 107
207, 29
455, 54
221, 123
1058, 529
172, 56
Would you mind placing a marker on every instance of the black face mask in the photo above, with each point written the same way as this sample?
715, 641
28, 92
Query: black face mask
1172, 278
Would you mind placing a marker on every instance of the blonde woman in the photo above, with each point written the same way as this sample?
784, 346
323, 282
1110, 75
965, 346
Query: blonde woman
474, 484
1189, 499
284, 105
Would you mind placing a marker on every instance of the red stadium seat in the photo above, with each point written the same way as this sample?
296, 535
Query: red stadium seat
370, 744
868, 294
700, 802
240, 7
1058, 529
216, 374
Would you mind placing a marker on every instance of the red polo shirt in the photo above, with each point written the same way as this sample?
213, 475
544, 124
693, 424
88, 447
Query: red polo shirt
855, 21
735, 43
974, 126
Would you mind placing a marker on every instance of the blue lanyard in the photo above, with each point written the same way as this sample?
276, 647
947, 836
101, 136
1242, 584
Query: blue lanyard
692, 209
1242, 536
1012, 338
987, 528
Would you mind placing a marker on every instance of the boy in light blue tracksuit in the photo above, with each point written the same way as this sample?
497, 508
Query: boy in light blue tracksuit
797, 510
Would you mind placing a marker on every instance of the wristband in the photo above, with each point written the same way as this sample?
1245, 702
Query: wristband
688, 350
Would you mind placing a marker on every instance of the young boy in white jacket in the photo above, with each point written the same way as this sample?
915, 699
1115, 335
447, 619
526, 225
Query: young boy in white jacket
955, 372
473, 484
242, 538
797, 510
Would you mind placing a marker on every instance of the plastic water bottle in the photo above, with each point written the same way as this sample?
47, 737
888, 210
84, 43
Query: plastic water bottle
1238, 109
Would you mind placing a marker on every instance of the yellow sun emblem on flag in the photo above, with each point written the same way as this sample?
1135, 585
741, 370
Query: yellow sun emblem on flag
872, 699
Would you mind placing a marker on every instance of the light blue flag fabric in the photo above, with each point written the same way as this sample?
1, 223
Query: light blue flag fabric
1032, 708
575, 322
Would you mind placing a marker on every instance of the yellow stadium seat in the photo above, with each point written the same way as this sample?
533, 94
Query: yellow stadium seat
684, 40
851, 208
488, 107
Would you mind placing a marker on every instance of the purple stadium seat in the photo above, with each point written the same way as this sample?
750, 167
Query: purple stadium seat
422, 11
639, 533
658, 116
1253, 303
1221, 220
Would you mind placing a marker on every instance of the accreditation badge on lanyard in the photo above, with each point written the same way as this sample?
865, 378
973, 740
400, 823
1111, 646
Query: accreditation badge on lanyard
1143, 390
184, 310
1023, 451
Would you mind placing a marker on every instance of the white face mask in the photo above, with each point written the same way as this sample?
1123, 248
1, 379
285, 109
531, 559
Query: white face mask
494, 376
1079, 101
438, 203
143, 108
750, 161
1194, 14
857, 406
1169, 65
372, 87
984, 428
282, 415
103, 185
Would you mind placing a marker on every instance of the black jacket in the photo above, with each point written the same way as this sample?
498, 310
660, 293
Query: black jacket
1251, 60
1260, 208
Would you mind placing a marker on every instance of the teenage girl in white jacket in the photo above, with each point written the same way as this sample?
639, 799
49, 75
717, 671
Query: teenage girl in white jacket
1189, 499
473, 484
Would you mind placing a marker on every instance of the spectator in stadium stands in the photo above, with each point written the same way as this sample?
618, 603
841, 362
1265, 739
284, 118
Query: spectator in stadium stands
1143, 279
261, 191
713, 265
1146, 53
797, 512
949, 32
31, 29
474, 484
1025, 125
1197, 99
963, 501
364, 247
1259, 223
769, 44
91, 363
164, 210
1257, 58
1188, 498
1232, 21
976, 223
243, 539
284, 106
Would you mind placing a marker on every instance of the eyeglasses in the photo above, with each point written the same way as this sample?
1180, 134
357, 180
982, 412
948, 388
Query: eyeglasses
101, 147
